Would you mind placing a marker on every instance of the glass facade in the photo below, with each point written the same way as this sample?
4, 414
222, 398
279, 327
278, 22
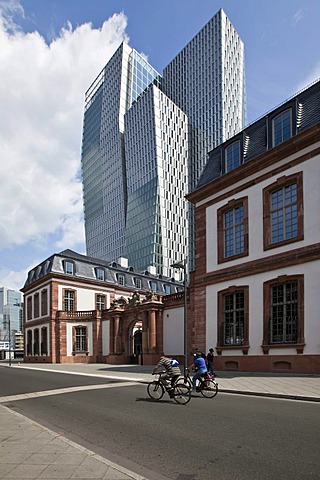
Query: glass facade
207, 81
120, 83
145, 143
156, 144
11, 308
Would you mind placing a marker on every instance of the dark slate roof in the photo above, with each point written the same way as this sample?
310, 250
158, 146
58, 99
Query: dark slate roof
255, 139
85, 268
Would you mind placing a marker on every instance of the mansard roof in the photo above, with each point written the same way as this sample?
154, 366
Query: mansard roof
255, 139
85, 268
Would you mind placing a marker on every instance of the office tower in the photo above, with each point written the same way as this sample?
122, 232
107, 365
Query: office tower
156, 146
127, 209
104, 174
207, 81
10, 312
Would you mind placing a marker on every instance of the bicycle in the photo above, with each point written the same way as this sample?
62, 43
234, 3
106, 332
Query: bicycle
207, 386
179, 392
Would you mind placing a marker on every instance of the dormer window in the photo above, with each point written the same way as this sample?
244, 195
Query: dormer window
281, 127
138, 283
120, 279
153, 286
100, 274
232, 156
69, 267
167, 289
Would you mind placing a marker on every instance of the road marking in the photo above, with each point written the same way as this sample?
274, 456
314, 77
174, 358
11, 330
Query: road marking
59, 391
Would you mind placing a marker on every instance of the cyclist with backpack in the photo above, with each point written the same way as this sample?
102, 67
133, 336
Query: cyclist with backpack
172, 369
199, 364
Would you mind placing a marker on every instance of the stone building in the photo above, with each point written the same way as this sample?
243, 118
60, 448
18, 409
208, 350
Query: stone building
80, 309
255, 289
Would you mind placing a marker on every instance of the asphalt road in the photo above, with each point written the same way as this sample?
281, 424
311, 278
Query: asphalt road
229, 437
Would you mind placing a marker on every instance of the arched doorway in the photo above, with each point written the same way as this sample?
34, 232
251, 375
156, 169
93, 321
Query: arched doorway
135, 346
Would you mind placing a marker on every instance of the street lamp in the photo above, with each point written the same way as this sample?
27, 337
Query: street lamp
182, 265
9, 341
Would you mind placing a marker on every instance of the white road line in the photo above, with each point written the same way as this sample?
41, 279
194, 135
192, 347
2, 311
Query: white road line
47, 393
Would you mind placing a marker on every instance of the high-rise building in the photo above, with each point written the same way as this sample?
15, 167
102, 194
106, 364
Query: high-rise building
145, 143
156, 146
11, 308
207, 81
103, 160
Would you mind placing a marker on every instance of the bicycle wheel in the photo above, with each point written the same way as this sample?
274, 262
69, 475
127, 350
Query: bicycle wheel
181, 393
155, 390
187, 381
209, 388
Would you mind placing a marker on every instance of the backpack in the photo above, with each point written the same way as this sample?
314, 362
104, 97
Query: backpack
174, 362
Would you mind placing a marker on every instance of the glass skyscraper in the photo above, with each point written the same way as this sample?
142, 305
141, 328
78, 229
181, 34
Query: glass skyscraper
10, 312
207, 81
145, 143
103, 159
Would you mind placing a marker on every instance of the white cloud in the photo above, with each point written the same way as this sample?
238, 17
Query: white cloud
41, 99
14, 279
298, 16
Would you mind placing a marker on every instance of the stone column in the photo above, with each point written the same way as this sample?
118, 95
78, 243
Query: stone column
152, 331
145, 342
117, 338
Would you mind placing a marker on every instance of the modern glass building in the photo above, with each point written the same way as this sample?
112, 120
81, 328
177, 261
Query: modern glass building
207, 81
103, 161
156, 146
145, 143
11, 308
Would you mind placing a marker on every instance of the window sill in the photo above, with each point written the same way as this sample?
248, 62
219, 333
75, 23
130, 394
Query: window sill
298, 346
80, 354
244, 348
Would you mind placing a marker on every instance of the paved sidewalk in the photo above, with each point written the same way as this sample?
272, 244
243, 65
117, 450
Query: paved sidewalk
30, 451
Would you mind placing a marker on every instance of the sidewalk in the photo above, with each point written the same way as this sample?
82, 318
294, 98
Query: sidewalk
30, 451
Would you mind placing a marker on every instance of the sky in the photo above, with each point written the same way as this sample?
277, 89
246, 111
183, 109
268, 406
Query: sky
50, 53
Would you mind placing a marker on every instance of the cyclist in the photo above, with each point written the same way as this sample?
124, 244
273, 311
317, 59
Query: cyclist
172, 370
199, 364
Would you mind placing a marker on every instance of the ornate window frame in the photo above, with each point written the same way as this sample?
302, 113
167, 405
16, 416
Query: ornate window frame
281, 183
231, 205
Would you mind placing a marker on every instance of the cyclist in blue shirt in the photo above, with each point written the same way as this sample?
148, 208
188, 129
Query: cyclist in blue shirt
199, 364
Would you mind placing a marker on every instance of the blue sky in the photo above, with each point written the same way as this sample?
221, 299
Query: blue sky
51, 51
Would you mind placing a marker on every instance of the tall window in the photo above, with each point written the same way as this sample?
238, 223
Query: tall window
44, 341
29, 342
233, 318
232, 156
233, 236
281, 127
80, 339
233, 226
69, 300
36, 305
284, 312
36, 345
283, 211
100, 302
29, 308
44, 302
